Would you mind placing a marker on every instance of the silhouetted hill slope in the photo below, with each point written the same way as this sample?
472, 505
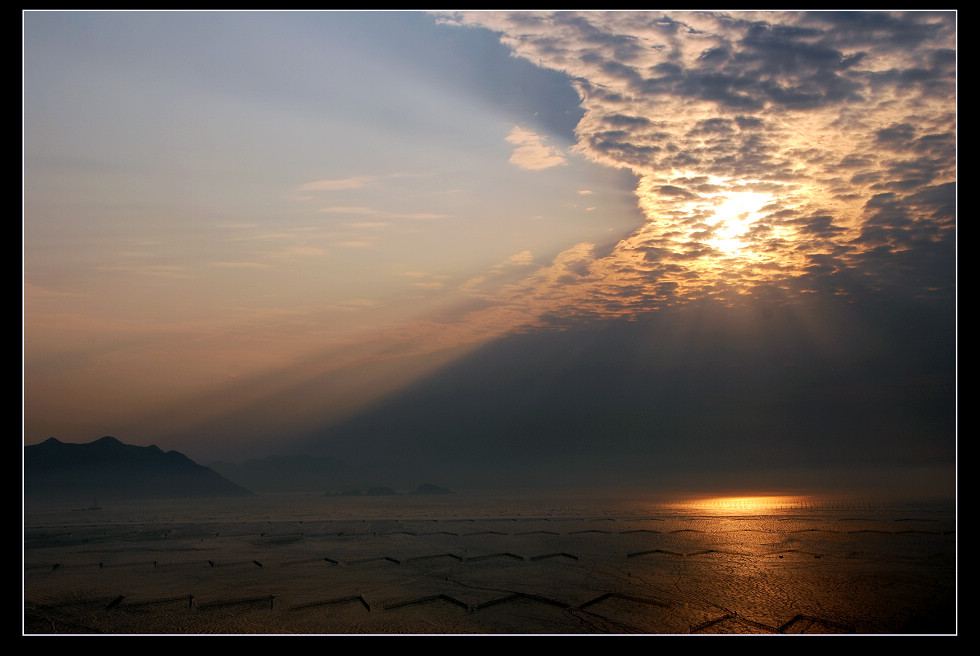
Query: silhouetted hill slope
109, 469
285, 473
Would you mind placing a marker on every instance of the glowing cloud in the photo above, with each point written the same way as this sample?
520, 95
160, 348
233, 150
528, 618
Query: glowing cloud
768, 145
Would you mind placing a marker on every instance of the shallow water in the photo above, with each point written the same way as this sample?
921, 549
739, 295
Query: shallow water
489, 564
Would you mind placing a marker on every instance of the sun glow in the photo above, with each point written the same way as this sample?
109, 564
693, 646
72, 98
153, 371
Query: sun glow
711, 236
733, 220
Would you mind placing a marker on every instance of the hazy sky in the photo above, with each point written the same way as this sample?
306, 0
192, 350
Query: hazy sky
242, 228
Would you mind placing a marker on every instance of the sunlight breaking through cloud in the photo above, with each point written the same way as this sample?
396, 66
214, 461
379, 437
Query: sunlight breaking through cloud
769, 146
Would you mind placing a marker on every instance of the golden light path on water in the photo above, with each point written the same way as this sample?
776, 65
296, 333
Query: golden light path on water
746, 505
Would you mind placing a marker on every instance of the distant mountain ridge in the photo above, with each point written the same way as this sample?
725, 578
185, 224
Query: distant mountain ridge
291, 473
111, 470
305, 473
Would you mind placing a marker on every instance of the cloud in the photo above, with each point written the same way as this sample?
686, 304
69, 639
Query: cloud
354, 182
150, 270
369, 225
530, 151
353, 243
239, 265
304, 251
519, 259
347, 209
499, 276
418, 274
426, 280
36, 293
415, 216
844, 123
370, 211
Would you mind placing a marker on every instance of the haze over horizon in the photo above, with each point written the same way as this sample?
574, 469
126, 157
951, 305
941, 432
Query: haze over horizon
577, 246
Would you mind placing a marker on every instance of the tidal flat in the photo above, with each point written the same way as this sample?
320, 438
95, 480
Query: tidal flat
488, 563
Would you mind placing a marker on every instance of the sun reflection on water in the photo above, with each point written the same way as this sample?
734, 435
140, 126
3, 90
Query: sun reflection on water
746, 505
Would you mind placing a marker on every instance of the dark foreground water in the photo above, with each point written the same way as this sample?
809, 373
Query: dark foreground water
491, 564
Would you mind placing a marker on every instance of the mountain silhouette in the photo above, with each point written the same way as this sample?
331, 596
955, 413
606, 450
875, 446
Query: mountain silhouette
111, 470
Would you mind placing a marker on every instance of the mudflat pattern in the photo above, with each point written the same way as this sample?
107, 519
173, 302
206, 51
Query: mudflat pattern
302, 565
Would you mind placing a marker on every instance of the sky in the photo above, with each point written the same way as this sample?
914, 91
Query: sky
658, 241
